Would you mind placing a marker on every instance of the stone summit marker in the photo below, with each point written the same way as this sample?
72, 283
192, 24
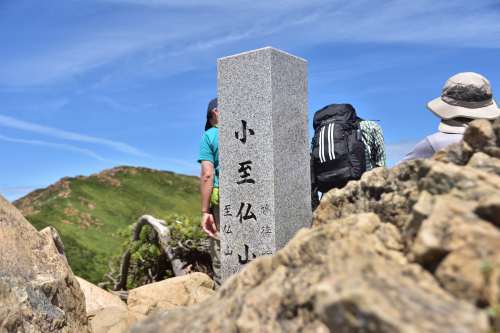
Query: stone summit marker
265, 189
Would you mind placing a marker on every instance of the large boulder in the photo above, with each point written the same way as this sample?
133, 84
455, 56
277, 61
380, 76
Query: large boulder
38, 292
97, 298
347, 276
408, 249
169, 294
447, 209
107, 313
461, 248
110, 320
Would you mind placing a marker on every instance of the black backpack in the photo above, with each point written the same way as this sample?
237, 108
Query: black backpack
338, 152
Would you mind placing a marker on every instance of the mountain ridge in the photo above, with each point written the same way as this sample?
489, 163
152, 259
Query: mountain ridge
91, 212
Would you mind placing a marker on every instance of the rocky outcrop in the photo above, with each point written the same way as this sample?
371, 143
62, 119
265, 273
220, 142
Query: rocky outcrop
345, 276
447, 210
110, 320
410, 249
169, 294
97, 299
107, 313
38, 292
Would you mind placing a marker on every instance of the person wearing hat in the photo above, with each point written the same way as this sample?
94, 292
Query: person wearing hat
465, 97
209, 184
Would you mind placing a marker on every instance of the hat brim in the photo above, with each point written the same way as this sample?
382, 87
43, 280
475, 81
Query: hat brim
447, 111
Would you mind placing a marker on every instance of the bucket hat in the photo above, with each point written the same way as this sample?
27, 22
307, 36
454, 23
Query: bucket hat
465, 95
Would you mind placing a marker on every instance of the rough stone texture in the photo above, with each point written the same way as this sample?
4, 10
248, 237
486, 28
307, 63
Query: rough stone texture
169, 294
411, 249
267, 89
107, 313
38, 292
462, 249
97, 299
110, 320
113, 316
473, 272
347, 276
446, 208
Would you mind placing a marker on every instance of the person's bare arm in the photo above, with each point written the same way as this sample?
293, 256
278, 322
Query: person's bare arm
206, 187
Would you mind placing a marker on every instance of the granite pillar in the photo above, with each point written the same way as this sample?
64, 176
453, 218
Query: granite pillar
263, 153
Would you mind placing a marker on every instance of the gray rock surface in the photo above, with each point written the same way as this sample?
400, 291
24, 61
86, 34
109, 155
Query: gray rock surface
410, 249
347, 276
38, 292
97, 299
106, 312
168, 294
110, 320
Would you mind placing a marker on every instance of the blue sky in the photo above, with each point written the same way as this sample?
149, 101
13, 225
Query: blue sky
86, 85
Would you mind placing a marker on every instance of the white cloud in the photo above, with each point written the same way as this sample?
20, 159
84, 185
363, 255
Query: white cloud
69, 136
224, 4
73, 57
182, 34
60, 146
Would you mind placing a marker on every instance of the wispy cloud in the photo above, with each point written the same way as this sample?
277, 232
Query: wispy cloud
121, 105
181, 32
113, 104
60, 146
69, 136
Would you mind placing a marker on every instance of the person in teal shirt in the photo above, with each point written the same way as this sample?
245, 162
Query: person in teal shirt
209, 184
209, 151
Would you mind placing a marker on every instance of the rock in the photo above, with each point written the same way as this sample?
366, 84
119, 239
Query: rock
489, 141
97, 299
414, 248
52, 236
107, 313
472, 272
390, 300
489, 209
462, 249
450, 226
480, 134
38, 292
110, 320
442, 209
347, 276
485, 162
169, 294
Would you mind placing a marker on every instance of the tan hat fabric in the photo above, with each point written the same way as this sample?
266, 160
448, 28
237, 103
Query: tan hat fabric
465, 95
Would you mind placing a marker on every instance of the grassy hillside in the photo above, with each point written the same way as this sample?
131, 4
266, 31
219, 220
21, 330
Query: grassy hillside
89, 211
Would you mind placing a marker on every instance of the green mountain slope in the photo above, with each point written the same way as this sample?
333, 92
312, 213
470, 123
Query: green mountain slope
88, 212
